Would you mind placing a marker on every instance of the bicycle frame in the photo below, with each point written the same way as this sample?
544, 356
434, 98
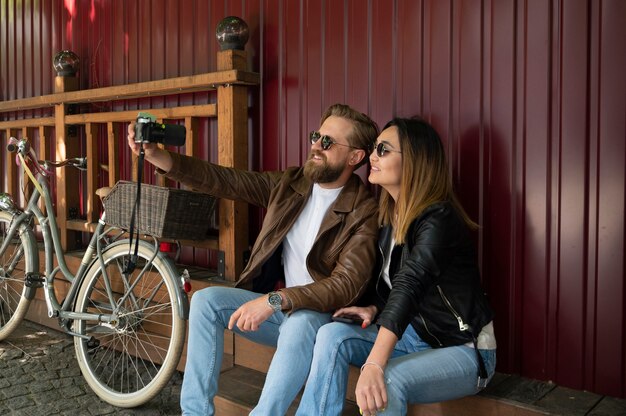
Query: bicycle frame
53, 248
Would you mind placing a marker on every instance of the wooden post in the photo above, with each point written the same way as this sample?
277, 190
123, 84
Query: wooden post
28, 186
67, 180
44, 134
113, 165
91, 133
232, 129
12, 174
191, 136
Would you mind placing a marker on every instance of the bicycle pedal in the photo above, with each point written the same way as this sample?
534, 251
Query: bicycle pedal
33, 279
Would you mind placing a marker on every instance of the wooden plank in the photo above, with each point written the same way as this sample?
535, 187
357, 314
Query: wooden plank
29, 122
44, 153
252, 355
12, 173
565, 401
66, 147
232, 59
609, 406
205, 110
180, 85
44, 134
113, 168
233, 151
232, 136
474, 406
28, 185
520, 389
91, 132
191, 140
62, 186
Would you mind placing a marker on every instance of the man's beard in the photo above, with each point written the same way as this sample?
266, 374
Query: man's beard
322, 173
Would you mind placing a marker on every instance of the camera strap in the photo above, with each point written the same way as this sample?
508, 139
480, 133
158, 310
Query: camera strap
132, 261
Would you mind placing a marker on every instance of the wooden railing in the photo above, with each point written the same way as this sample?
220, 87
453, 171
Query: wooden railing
230, 81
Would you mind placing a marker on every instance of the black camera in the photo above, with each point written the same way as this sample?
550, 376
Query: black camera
147, 130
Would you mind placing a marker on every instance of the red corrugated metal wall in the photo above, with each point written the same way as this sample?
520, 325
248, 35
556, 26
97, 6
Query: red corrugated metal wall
529, 96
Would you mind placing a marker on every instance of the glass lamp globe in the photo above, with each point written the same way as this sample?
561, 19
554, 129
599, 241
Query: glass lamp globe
232, 33
65, 63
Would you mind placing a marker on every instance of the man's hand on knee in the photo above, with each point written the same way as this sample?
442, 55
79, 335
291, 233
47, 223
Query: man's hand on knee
251, 314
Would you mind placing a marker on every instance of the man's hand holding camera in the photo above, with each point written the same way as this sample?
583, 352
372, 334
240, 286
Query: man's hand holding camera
159, 157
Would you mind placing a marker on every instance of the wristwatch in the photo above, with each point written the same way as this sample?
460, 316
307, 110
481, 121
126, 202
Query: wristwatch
275, 300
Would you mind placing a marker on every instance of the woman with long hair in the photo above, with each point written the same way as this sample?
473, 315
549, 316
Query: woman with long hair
433, 336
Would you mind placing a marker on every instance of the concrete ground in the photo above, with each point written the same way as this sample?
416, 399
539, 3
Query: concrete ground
39, 375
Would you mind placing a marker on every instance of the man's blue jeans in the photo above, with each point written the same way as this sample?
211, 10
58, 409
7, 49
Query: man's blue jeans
293, 336
416, 373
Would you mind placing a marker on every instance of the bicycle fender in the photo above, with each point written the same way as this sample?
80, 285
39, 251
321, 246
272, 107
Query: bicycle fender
181, 295
29, 292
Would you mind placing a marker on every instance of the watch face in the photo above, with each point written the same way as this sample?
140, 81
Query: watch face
275, 300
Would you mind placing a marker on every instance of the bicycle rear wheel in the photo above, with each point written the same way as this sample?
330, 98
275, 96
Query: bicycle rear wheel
17, 260
128, 361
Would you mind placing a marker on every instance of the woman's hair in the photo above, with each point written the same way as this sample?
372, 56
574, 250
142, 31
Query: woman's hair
425, 177
364, 132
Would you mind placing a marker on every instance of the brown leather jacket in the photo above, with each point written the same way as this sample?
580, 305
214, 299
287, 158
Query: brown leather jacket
343, 255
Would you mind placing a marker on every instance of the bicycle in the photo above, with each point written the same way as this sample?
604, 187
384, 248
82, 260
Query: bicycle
128, 326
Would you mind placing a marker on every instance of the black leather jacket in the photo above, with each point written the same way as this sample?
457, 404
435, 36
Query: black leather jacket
435, 280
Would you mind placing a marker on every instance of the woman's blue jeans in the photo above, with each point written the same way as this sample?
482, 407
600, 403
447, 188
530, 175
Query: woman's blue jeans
416, 373
293, 336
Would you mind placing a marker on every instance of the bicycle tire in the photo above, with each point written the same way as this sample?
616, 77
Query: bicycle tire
156, 330
15, 296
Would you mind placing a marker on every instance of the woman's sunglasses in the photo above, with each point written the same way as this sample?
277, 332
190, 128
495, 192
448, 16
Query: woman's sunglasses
381, 149
326, 141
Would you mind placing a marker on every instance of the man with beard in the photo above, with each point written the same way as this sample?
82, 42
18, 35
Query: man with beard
318, 237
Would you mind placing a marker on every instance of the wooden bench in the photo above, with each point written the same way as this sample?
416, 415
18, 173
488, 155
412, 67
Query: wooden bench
245, 365
506, 395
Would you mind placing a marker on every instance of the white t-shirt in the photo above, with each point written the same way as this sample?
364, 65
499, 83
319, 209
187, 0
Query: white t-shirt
300, 238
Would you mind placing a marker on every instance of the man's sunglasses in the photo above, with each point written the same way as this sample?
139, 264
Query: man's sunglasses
381, 149
326, 141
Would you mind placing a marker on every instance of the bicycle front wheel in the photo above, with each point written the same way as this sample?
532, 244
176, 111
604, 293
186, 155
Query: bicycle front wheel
129, 360
16, 261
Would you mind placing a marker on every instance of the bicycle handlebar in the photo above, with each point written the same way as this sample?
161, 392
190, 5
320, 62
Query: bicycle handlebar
77, 162
18, 146
23, 147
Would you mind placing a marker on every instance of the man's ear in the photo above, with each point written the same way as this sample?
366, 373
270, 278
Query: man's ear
356, 157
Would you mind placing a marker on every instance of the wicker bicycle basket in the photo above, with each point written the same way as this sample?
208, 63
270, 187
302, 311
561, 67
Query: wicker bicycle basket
163, 212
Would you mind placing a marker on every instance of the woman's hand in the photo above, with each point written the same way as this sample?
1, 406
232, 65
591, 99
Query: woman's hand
371, 392
366, 313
